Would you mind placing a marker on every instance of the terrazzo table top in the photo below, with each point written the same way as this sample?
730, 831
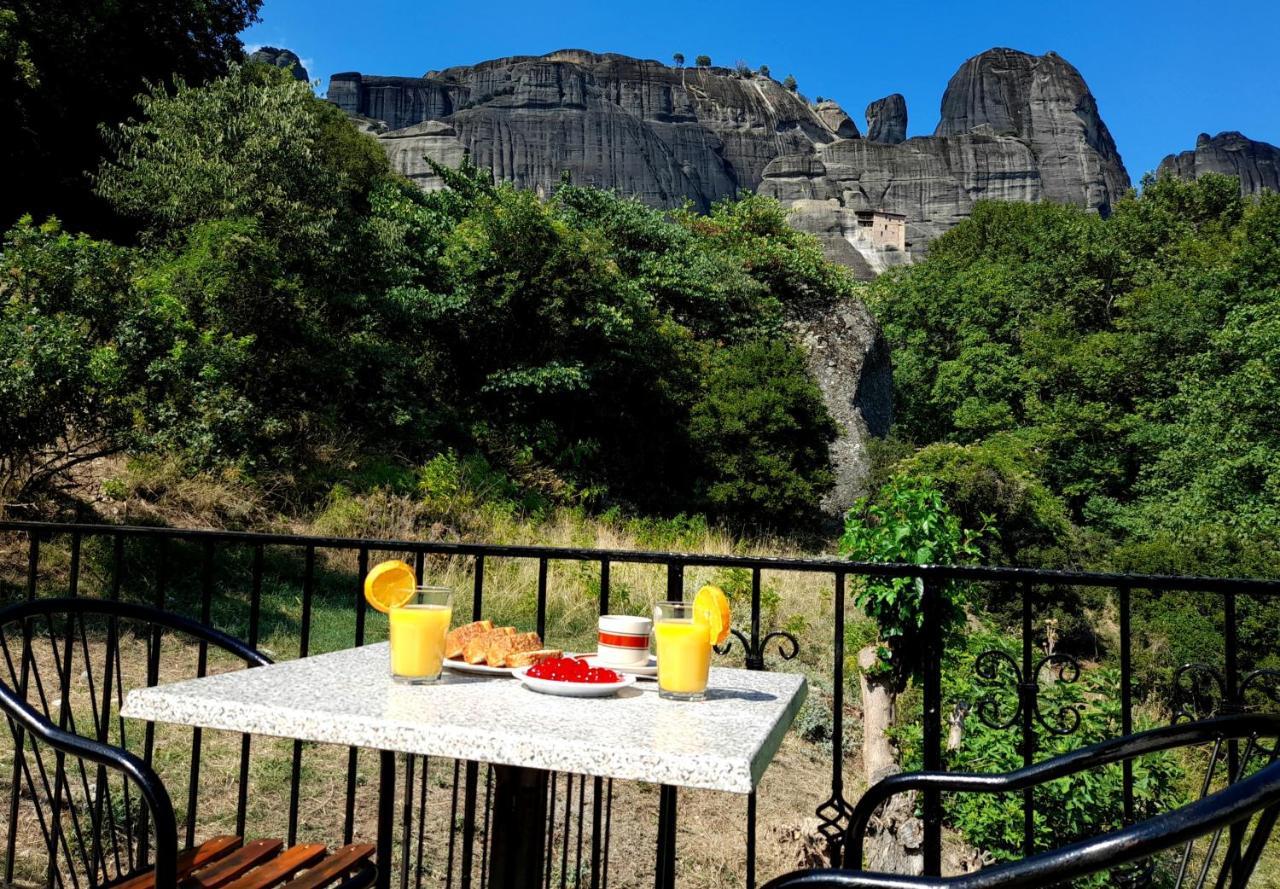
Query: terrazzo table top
723, 743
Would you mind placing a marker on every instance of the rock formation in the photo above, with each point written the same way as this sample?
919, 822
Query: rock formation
1014, 127
280, 58
658, 133
1255, 164
1044, 102
887, 119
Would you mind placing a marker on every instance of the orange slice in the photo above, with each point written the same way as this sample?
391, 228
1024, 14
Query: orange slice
711, 607
389, 584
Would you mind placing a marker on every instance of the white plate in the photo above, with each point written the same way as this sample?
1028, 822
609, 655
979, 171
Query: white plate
645, 671
571, 689
461, 666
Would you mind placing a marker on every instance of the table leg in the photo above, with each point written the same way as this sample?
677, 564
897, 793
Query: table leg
518, 832
665, 869
386, 816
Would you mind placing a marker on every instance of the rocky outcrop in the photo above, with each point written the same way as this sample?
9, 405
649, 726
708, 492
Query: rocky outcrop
849, 359
1044, 102
1255, 164
658, 133
280, 58
1014, 127
887, 119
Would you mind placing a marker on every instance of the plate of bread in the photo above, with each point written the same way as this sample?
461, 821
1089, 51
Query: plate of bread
480, 647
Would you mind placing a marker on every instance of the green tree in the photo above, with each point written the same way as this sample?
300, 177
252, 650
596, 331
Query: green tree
678, 58
69, 65
907, 521
255, 144
72, 344
761, 433
703, 61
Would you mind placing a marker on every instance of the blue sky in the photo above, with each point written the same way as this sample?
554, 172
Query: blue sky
1161, 71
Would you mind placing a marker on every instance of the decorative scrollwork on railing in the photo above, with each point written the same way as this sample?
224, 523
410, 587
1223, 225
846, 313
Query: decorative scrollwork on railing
787, 647
1200, 691
1066, 719
833, 820
991, 710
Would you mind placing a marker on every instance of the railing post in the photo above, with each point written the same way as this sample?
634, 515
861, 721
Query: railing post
755, 653
1126, 695
932, 721
675, 582
1028, 690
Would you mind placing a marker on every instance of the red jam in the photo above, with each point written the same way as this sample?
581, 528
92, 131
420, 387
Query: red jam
568, 669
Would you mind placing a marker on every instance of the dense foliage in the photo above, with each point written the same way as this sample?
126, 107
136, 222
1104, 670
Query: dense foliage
292, 298
1069, 809
1106, 390
67, 66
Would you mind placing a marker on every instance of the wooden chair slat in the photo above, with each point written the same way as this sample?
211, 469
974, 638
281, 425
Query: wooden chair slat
234, 865
340, 863
204, 854
281, 868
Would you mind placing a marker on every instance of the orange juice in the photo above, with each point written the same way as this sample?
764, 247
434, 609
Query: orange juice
417, 640
684, 655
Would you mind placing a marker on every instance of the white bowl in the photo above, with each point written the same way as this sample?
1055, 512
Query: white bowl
572, 689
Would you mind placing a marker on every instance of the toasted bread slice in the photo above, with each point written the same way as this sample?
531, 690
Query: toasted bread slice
501, 646
474, 651
458, 638
529, 658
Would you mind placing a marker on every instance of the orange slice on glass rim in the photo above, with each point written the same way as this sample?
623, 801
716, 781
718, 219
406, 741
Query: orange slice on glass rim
711, 607
389, 585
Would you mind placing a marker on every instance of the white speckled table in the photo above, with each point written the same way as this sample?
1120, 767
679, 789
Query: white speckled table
347, 697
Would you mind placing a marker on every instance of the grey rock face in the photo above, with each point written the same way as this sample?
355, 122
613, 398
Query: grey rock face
849, 359
1255, 164
280, 58
1043, 101
887, 119
836, 120
658, 133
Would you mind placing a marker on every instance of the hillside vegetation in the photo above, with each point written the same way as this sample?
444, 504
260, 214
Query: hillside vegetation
293, 306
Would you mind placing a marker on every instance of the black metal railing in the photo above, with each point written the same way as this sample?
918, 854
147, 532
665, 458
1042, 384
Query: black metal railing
219, 577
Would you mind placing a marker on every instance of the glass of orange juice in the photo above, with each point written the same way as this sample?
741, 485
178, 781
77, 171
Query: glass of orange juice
684, 651
418, 628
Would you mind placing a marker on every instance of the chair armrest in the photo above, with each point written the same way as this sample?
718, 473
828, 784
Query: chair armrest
1103, 753
22, 715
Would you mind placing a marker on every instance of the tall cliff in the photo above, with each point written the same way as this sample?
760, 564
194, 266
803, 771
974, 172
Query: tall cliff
1013, 127
659, 133
1256, 164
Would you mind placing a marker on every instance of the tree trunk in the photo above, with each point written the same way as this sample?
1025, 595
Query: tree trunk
895, 836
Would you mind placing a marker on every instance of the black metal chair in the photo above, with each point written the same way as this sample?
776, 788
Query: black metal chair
105, 815
1235, 821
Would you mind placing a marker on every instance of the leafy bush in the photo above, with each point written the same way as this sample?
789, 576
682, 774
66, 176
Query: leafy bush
72, 338
292, 299
907, 522
1130, 361
761, 432
1065, 810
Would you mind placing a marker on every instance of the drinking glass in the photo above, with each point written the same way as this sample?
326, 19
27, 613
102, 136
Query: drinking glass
418, 628
684, 651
